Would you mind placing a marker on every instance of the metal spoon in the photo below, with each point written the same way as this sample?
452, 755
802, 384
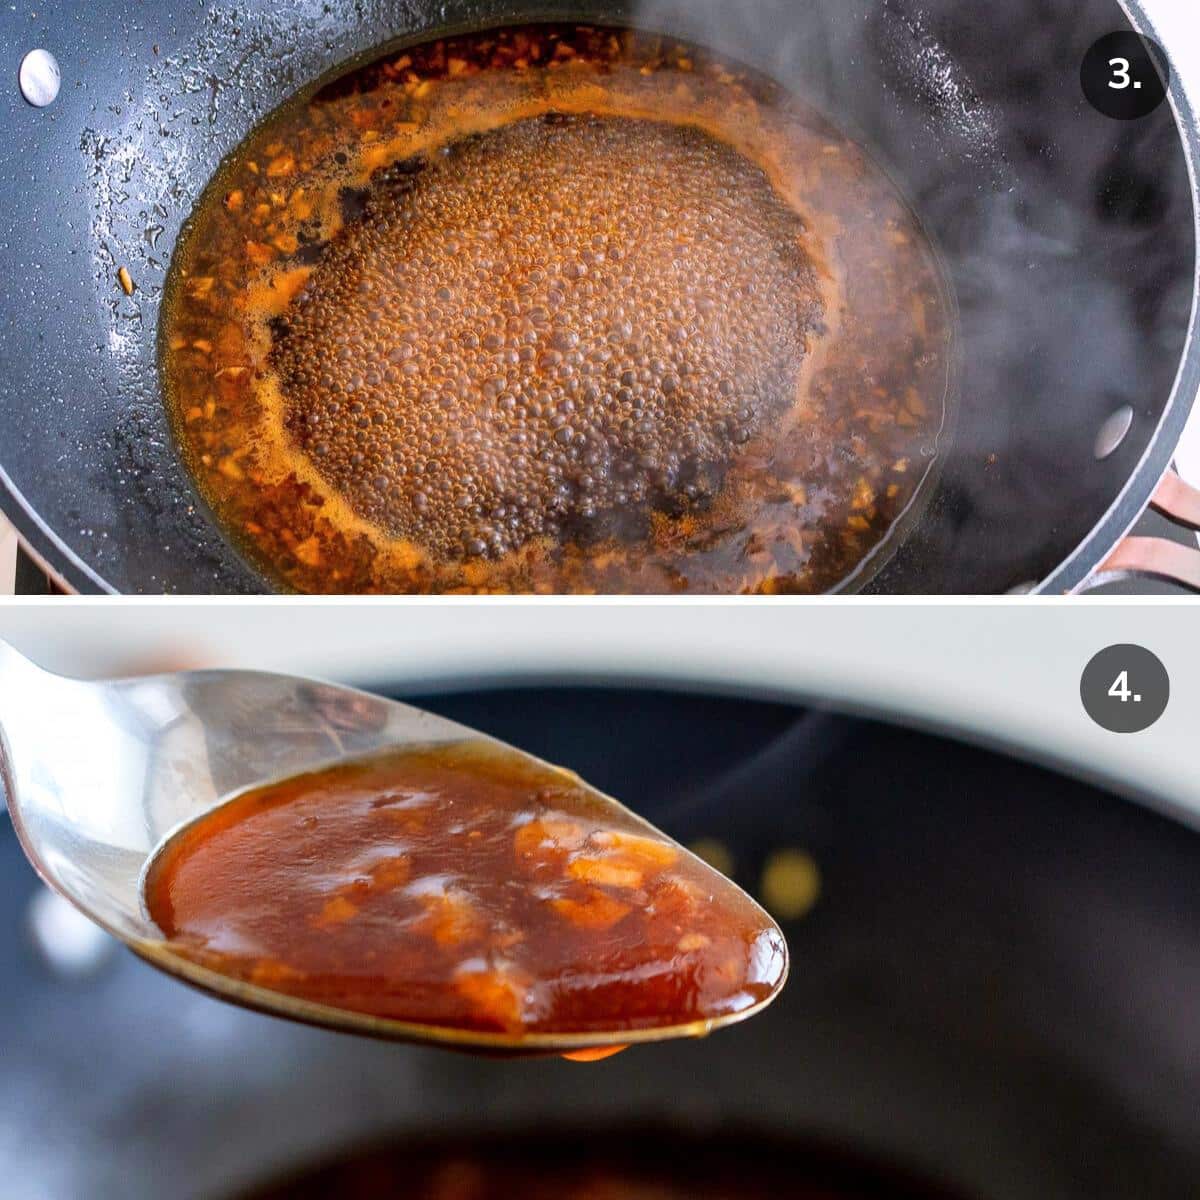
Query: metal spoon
98, 775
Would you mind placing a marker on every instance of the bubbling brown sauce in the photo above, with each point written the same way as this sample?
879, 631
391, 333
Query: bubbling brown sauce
462, 400
555, 309
468, 887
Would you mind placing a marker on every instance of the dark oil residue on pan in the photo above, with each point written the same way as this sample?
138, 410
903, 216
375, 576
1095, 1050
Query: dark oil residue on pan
692, 339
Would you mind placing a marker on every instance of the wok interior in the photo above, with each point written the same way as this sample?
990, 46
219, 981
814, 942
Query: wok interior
1068, 239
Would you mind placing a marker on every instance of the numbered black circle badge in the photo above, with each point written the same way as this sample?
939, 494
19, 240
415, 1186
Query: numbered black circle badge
1125, 689
1125, 76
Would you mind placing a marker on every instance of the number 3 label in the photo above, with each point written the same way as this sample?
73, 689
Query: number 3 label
1121, 78
1125, 76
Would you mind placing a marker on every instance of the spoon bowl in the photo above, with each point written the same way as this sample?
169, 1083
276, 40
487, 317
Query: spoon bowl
98, 775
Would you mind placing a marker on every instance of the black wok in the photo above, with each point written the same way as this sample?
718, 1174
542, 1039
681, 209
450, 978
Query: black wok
996, 990
1069, 239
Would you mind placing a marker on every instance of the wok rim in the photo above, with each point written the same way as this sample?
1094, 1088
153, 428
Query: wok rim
1074, 573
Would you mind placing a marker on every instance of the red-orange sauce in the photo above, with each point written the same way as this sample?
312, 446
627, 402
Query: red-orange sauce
556, 309
463, 886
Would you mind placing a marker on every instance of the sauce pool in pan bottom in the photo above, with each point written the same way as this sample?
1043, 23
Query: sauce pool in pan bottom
606, 1164
556, 309
465, 887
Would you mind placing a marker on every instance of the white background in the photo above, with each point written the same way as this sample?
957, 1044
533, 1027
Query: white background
1002, 672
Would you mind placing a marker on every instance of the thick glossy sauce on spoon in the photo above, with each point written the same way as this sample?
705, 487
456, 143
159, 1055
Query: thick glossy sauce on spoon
465, 887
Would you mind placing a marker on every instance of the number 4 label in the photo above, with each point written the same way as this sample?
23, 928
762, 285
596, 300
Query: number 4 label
1107, 685
1120, 689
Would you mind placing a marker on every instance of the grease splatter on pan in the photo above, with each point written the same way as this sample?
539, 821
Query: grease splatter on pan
557, 310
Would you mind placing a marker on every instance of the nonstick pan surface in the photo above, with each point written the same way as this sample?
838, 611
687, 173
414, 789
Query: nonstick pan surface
1069, 240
